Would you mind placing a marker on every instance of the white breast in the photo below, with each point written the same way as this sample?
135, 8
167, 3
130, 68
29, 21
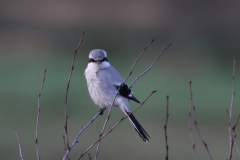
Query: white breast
99, 96
101, 88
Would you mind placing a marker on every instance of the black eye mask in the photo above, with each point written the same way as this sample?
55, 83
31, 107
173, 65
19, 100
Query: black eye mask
104, 59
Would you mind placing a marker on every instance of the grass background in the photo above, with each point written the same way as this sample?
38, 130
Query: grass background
38, 35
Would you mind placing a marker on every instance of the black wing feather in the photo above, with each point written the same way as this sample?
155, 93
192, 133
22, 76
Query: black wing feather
127, 93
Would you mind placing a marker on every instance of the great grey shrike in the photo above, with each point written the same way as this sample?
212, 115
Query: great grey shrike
103, 81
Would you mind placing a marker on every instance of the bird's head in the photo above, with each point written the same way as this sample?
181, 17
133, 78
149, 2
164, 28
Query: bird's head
98, 57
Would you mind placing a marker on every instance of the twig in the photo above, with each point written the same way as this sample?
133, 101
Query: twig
234, 128
235, 143
190, 129
195, 122
89, 157
114, 126
80, 132
205, 144
20, 148
65, 147
108, 116
231, 147
231, 131
150, 66
66, 116
235, 125
139, 58
39, 96
165, 128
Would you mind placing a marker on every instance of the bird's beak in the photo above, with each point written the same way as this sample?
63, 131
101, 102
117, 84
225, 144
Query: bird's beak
98, 61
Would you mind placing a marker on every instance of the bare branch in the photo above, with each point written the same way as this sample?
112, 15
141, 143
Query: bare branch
199, 132
233, 91
108, 116
114, 126
195, 122
235, 125
80, 42
66, 116
190, 129
76, 139
20, 148
89, 157
165, 128
231, 147
234, 128
150, 66
39, 96
65, 146
231, 131
139, 58
205, 144
235, 143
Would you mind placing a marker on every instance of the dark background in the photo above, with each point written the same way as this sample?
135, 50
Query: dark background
39, 35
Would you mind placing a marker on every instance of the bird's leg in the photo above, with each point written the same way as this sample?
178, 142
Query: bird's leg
101, 111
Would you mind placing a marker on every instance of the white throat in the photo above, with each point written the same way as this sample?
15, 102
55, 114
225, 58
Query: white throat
96, 66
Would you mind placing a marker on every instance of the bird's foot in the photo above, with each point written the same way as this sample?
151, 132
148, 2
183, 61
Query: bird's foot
101, 111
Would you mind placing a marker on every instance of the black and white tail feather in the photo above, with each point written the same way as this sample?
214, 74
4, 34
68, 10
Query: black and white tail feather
126, 92
141, 131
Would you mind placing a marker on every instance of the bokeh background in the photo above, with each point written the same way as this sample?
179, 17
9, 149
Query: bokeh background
39, 35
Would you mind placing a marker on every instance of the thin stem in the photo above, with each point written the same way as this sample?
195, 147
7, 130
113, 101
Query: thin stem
39, 96
190, 129
231, 132
199, 132
165, 129
66, 116
89, 157
139, 57
65, 146
234, 128
20, 148
150, 66
80, 132
235, 143
114, 126
235, 125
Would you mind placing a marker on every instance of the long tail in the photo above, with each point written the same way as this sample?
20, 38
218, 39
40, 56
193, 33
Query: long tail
142, 133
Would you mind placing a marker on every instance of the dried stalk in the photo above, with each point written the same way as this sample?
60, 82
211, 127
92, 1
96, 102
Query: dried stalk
150, 66
66, 116
231, 131
20, 148
165, 129
190, 129
75, 140
39, 96
89, 157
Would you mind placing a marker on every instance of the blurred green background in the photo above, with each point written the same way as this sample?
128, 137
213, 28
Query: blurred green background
38, 35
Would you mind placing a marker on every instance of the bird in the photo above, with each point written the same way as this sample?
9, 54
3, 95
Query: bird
103, 82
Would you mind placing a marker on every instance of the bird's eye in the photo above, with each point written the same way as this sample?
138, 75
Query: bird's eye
92, 60
104, 59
